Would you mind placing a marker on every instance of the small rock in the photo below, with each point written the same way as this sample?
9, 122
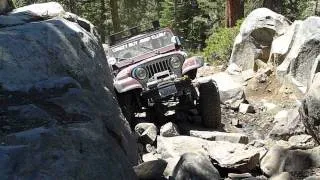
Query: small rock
195, 166
312, 178
270, 106
150, 157
169, 130
239, 176
221, 136
233, 69
141, 127
235, 122
302, 141
281, 116
287, 124
246, 108
261, 78
150, 169
282, 176
150, 148
147, 132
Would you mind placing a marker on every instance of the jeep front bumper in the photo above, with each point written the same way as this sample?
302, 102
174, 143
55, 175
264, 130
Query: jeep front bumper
164, 89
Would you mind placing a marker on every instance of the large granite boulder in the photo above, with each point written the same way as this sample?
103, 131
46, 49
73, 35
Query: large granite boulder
298, 58
313, 100
255, 37
58, 116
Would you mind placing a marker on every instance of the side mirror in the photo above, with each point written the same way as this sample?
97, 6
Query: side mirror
176, 40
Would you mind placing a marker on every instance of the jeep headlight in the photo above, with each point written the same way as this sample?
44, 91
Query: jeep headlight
140, 73
175, 62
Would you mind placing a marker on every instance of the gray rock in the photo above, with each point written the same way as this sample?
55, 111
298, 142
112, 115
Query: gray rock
235, 122
150, 169
246, 108
313, 100
233, 69
302, 141
239, 176
172, 162
247, 74
195, 166
261, 78
229, 155
150, 156
147, 132
279, 159
59, 104
231, 91
287, 124
150, 148
274, 161
282, 176
269, 107
312, 178
169, 130
255, 37
298, 57
221, 136
34, 12
314, 156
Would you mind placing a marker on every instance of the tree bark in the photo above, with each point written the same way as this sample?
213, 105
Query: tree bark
103, 19
115, 16
234, 12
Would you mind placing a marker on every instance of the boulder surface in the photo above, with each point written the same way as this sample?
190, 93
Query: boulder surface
59, 117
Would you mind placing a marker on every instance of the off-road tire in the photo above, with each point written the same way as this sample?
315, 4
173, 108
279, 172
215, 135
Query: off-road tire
127, 106
209, 105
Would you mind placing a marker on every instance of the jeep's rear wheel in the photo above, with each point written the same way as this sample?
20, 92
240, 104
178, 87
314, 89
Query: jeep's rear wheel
209, 105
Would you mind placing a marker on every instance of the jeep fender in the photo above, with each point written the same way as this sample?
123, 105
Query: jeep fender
192, 63
126, 84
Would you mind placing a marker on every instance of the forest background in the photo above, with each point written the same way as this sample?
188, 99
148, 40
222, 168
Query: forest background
207, 27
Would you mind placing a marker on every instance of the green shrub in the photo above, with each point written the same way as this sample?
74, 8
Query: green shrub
219, 44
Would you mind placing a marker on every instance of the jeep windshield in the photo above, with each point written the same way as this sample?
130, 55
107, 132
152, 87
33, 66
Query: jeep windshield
141, 44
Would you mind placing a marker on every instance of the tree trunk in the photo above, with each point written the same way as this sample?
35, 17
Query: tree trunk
234, 12
115, 16
316, 12
274, 5
103, 19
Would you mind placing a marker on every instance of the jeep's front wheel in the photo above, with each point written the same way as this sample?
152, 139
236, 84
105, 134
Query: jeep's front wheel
127, 106
209, 105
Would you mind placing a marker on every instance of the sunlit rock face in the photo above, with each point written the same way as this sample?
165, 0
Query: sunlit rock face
255, 37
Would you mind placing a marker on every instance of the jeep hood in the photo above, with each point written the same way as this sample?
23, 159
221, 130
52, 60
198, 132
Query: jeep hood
145, 56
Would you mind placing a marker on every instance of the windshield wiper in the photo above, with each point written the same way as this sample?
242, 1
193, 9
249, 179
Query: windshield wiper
145, 47
151, 49
121, 58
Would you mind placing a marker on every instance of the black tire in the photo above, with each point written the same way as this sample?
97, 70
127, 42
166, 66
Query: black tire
127, 106
192, 74
209, 105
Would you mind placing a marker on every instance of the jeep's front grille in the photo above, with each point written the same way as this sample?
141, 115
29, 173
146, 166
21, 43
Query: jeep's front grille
158, 66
